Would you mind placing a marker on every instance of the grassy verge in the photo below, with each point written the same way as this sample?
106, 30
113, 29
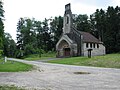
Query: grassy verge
108, 61
37, 57
11, 66
5, 87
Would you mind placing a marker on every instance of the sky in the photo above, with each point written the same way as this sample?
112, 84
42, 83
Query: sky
41, 9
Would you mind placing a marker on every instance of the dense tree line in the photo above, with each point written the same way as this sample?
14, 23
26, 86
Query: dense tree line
7, 44
1, 27
106, 27
36, 37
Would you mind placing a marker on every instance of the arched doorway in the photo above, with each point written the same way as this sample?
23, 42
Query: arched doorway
64, 49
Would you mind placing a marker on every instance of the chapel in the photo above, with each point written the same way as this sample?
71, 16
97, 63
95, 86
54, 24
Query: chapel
77, 43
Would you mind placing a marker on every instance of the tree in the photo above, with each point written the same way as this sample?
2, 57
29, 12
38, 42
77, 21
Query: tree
9, 46
82, 23
1, 26
46, 36
26, 37
56, 28
117, 45
105, 25
20, 26
39, 32
112, 29
98, 22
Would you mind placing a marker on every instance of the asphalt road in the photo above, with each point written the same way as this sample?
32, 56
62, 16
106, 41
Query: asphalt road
63, 77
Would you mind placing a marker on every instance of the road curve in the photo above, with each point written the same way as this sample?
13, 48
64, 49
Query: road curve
63, 77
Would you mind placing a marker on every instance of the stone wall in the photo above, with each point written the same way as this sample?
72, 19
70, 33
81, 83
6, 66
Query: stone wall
96, 50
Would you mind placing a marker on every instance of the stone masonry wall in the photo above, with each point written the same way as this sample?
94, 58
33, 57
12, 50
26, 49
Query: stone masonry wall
96, 51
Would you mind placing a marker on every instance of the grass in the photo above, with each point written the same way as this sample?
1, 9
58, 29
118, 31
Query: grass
37, 57
107, 61
11, 66
12, 87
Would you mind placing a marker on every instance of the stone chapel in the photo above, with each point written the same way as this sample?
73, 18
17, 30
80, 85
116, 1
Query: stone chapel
76, 43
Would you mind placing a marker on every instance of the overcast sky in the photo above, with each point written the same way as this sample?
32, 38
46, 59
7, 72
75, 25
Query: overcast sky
40, 9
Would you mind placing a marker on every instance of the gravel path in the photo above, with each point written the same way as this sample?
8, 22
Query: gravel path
62, 77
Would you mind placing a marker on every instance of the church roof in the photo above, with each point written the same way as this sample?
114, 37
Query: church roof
86, 37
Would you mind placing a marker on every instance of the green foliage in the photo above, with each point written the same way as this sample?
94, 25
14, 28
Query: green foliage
1, 10
19, 54
98, 22
1, 25
113, 30
29, 49
26, 37
49, 54
12, 87
12, 66
1, 53
34, 37
43, 56
107, 61
106, 27
82, 23
9, 46
56, 28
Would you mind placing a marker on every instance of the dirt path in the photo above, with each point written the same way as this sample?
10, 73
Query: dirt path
62, 77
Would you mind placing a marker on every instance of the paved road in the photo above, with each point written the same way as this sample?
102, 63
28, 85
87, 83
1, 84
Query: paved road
62, 77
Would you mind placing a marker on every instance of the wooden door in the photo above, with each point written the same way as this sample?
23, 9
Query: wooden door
66, 52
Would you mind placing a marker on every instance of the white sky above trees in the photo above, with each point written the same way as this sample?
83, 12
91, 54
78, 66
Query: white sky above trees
40, 9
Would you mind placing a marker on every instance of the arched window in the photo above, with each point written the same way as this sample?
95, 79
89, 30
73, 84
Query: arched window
67, 21
94, 45
97, 45
90, 45
87, 45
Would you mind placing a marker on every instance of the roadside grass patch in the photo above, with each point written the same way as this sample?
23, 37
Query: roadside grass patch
43, 56
12, 87
13, 66
107, 61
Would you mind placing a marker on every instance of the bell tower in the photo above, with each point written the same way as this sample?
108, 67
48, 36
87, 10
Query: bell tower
67, 21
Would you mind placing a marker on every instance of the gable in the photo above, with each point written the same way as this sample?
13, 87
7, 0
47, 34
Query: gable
66, 38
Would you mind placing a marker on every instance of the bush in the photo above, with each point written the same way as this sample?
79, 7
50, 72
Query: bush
1, 53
